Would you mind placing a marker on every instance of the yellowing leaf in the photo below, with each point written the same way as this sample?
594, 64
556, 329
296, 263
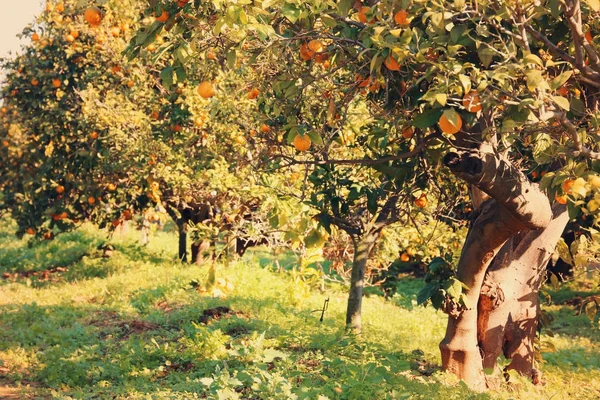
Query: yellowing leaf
535, 80
562, 102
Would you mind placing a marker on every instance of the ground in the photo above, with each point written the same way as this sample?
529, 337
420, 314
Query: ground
133, 326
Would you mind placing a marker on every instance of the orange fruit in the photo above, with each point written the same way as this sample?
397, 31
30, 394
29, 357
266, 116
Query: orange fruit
111, 186
93, 16
163, 17
408, 132
199, 121
315, 46
154, 115
362, 15
35, 37
94, 135
264, 128
60, 7
30, 231
305, 53
253, 93
472, 102
115, 31
176, 128
362, 82
563, 90
326, 64
210, 55
35, 82
400, 17
60, 189
127, 214
69, 38
391, 63
566, 185
240, 139
448, 127
206, 90
130, 84
560, 199
421, 202
151, 47
302, 142
75, 34
91, 200
116, 222
182, 3
47, 235
404, 257
588, 36
56, 82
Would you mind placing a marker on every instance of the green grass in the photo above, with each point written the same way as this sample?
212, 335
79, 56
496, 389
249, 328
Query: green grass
132, 327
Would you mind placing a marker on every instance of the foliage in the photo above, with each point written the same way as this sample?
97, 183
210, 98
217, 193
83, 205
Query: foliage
134, 331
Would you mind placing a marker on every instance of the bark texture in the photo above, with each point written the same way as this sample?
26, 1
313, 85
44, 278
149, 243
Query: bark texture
508, 307
502, 263
363, 246
182, 230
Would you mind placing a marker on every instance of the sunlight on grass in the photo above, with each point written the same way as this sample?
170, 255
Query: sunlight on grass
132, 325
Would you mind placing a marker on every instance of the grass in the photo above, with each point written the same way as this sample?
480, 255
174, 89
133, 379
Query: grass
132, 327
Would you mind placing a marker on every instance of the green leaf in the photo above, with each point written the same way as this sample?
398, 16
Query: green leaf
315, 137
427, 118
426, 293
166, 76
291, 12
344, 6
535, 80
231, 58
328, 21
560, 80
562, 102
486, 54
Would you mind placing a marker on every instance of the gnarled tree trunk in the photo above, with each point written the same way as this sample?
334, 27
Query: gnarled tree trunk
502, 263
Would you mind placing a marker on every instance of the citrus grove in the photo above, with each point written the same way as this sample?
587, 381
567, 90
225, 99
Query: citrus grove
319, 120
499, 94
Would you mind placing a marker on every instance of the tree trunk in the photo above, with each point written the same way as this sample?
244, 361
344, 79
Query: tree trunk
182, 229
460, 353
508, 306
363, 246
510, 225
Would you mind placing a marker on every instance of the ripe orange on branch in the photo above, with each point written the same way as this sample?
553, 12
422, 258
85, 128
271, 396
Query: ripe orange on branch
264, 128
56, 82
422, 201
60, 189
315, 46
391, 63
206, 90
163, 17
401, 17
305, 53
93, 16
302, 142
253, 93
472, 102
450, 127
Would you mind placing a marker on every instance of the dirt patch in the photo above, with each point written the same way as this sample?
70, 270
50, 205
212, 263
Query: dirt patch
47, 275
217, 313
110, 321
10, 392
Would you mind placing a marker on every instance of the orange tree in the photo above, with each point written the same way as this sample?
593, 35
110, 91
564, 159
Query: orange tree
500, 94
58, 165
88, 134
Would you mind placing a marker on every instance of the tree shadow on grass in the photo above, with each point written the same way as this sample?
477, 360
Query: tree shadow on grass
92, 349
